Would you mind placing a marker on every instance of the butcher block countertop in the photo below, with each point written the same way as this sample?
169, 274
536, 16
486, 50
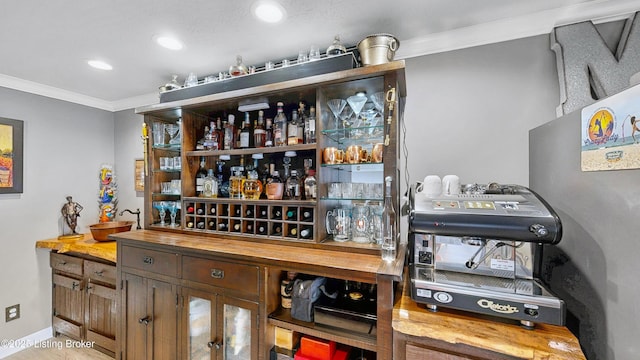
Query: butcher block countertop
453, 328
105, 250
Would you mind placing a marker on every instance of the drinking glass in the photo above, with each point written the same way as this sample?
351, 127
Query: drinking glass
338, 223
336, 106
192, 80
356, 102
335, 190
158, 133
302, 57
375, 212
360, 223
314, 53
161, 206
174, 133
172, 206
345, 116
165, 187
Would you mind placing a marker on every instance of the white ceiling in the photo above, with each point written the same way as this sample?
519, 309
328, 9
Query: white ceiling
46, 44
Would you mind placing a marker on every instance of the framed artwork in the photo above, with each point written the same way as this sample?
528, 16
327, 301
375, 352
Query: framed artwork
11, 152
139, 175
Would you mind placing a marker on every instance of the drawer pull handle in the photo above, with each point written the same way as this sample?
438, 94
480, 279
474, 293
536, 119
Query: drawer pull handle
217, 274
62, 263
99, 273
145, 320
147, 260
74, 285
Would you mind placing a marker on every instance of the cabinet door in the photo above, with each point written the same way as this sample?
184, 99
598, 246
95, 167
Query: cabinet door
68, 305
239, 320
150, 319
199, 325
101, 315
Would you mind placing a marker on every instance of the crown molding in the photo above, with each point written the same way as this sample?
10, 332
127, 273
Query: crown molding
540, 23
53, 92
136, 101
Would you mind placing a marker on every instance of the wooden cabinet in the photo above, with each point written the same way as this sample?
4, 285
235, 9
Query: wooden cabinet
84, 300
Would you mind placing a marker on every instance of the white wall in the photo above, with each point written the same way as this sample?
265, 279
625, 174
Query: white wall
128, 147
64, 146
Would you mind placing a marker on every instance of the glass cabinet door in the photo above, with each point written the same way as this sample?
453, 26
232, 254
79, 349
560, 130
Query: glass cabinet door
239, 329
200, 327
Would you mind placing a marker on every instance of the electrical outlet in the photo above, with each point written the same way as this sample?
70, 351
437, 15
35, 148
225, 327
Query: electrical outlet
12, 313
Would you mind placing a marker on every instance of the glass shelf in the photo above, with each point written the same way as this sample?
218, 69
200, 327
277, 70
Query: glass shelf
171, 147
251, 151
173, 171
352, 199
369, 134
356, 167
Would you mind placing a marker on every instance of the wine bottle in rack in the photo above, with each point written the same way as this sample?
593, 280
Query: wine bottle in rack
212, 211
200, 211
190, 209
263, 212
292, 214
262, 228
306, 232
190, 225
249, 228
212, 224
222, 226
200, 225
307, 215
277, 229
236, 227
249, 212
277, 213
293, 232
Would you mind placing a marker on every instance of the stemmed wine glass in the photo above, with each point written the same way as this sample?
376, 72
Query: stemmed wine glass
174, 133
161, 206
356, 102
336, 106
173, 211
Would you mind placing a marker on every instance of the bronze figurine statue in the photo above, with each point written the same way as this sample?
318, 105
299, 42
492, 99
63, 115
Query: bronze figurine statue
71, 212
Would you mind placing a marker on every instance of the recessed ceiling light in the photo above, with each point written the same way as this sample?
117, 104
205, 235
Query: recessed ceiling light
169, 42
100, 65
268, 11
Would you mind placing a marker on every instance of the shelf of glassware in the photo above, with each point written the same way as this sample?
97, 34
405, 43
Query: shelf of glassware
251, 151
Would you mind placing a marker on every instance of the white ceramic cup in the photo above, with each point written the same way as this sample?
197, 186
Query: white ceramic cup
432, 186
451, 185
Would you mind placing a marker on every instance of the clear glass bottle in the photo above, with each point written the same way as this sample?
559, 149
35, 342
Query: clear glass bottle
302, 117
274, 187
310, 127
200, 145
336, 48
310, 185
244, 133
200, 175
280, 127
389, 233
292, 186
292, 129
252, 187
230, 133
259, 133
210, 186
239, 68
220, 133
268, 135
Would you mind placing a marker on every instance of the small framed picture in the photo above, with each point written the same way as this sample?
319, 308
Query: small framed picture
139, 175
11, 152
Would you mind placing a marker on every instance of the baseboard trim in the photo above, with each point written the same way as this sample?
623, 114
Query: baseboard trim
10, 347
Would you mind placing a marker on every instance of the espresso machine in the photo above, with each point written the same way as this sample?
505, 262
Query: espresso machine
479, 250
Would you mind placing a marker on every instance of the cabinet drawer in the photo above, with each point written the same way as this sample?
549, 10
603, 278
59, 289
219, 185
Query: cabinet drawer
150, 260
240, 277
100, 272
66, 263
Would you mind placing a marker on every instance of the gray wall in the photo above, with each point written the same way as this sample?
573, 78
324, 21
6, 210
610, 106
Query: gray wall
128, 147
64, 146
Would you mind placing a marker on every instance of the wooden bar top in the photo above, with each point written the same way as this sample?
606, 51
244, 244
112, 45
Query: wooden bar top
86, 245
461, 328
272, 253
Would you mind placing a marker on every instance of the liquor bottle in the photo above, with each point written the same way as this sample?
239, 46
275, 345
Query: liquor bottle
220, 133
200, 175
280, 127
277, 229
293, 232
210, 186
302, 117
200, 145
274, 187
310, 185
215, 140
276, 213
244, 132
306, 232
268, 135
239, 68
219, 173
230, 134
292, 214
259, 133
235, 182
307, 215
262, 228
310, 127
388, 224
252, 187
292, 186
292, 129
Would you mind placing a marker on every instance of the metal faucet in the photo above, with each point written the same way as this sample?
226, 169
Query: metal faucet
137, 213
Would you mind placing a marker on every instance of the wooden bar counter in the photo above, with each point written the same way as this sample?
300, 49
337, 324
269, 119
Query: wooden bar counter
105, 250
451, 334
